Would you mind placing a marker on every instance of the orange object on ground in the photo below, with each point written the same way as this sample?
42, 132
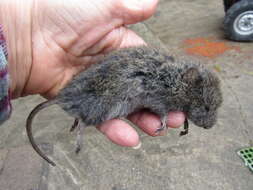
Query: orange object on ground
207, 47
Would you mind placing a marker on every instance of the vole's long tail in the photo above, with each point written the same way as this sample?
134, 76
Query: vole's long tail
29, 128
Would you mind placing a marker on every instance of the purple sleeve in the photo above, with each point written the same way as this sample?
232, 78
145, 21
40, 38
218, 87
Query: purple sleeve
5, 105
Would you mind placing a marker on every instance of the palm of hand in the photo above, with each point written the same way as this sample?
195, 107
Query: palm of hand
68, 37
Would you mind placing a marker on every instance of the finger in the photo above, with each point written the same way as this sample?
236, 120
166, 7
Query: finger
130, 39
176, 119
133, 11
150, 122
117, 38
119, 132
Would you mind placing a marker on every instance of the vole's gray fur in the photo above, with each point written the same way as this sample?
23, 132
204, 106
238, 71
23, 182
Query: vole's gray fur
135, 78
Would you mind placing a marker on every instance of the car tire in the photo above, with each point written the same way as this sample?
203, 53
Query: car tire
238, 22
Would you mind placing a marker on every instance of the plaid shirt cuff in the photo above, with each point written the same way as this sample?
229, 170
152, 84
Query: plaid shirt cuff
5, 105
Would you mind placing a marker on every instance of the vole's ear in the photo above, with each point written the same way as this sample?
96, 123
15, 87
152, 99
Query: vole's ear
192, 76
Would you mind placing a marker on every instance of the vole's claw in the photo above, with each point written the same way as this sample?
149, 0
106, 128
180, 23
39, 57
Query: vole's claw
160, 129
79, 138
182, 133
78, 149
75, 124
163, 126
186, 128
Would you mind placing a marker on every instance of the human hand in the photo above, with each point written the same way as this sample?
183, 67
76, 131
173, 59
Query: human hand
60, 38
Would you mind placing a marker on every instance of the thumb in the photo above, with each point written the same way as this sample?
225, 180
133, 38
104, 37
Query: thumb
133, 11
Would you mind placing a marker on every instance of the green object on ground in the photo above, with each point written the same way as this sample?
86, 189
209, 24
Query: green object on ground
247, 155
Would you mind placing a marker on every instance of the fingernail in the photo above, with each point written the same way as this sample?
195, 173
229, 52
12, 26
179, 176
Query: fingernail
137, 4
137, 147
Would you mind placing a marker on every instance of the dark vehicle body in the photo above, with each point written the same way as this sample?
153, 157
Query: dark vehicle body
229, 3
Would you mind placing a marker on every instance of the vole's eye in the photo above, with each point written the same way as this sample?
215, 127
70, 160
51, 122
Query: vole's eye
207, 108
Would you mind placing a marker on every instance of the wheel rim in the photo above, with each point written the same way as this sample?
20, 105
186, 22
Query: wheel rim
243, 24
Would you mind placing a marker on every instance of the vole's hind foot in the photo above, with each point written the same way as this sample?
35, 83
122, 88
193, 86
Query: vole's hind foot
186, 128
75, 124
163, 126
79, 138
78, 149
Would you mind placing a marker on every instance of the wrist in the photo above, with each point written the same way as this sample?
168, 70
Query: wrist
15, 17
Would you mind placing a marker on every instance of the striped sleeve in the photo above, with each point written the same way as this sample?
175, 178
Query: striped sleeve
5, 105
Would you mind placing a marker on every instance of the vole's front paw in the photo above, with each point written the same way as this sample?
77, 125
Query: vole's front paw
186, 128
163, 126
75, 124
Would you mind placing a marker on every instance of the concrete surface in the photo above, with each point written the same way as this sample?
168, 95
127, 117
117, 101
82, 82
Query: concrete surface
22, 169
202, 160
